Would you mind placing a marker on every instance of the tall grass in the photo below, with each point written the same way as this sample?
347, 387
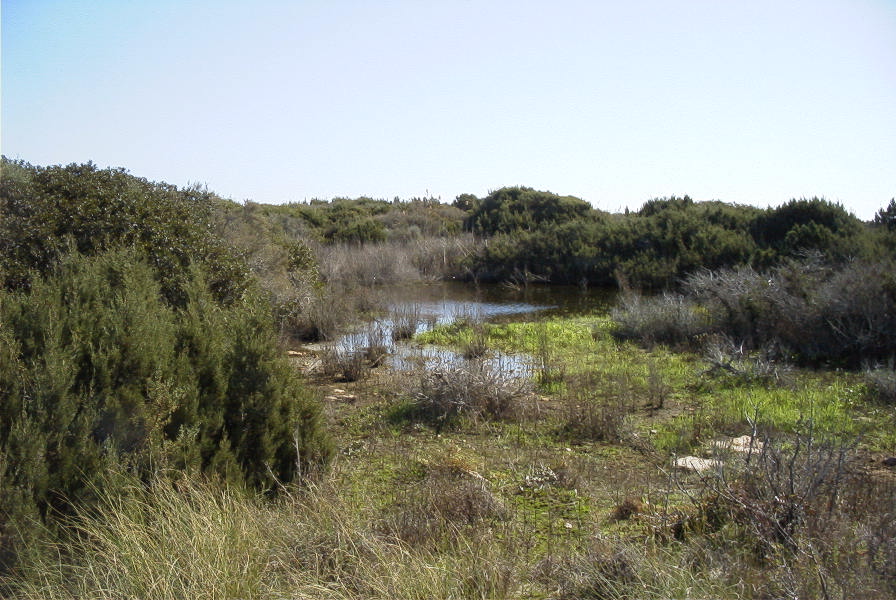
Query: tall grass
199, 539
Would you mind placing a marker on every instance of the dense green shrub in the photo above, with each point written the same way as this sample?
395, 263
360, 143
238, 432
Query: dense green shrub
513, 209
134, 339
100, 374
50, 211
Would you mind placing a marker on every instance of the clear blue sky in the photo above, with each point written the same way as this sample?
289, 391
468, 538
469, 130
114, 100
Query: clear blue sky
753, 101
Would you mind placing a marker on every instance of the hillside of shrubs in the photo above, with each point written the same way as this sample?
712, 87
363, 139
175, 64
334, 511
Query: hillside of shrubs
145, 389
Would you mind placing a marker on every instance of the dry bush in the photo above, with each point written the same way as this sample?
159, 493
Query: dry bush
798, 517
345, 364
733, 360
320, 316
603, 571
807, 309
881, 384
668, 319
477, 388
396, 261
447, 503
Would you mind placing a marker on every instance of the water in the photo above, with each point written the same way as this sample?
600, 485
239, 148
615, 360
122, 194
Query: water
419, 308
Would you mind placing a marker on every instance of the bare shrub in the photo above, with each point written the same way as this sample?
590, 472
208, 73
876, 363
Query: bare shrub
317, 317
667, 319
603, 571
473, 387
733, 360
807, 309
376, 348
344, 364
786, 487
396, 261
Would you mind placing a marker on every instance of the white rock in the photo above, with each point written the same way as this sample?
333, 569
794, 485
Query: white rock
696, 464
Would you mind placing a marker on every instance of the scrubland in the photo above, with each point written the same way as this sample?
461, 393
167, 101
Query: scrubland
167, 431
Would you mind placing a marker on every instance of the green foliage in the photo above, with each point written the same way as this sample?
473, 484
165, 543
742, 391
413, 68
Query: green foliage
544, 237
133, 339
886, 217
509, 210
50, 211
365, 220
99, 372
803, 225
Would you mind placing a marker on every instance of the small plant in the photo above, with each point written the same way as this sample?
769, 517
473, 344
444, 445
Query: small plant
549, 371
405, 320
657, 389
477, 346
586, 417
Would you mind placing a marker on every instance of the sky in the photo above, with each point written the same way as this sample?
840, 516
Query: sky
751, 102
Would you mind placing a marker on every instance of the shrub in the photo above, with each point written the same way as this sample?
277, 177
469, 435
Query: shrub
586, 417
476, 387
667, 319
405, 320
101, 374
445, 502
806, 311
51, 211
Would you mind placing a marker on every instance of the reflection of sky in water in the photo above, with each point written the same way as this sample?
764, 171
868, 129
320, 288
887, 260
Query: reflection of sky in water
409, 356
404, 355
447, 311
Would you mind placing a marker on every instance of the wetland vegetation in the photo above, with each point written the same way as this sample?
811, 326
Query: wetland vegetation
180, 416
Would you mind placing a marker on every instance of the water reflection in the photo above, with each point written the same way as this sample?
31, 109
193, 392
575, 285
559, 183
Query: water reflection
415, 309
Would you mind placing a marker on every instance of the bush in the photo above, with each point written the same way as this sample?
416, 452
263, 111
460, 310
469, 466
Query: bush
100, 374
51, 211
667, 319
476, 387
881, 384
807, 311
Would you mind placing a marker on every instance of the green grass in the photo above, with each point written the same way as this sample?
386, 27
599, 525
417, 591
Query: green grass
591, 362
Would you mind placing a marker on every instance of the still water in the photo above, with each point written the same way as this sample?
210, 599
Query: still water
422, 307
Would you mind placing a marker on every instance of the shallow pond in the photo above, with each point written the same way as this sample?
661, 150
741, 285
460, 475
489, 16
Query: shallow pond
414, 309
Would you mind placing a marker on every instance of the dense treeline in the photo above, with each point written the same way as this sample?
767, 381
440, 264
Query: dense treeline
132, 340
542, 236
